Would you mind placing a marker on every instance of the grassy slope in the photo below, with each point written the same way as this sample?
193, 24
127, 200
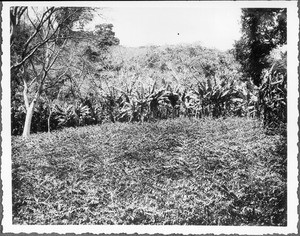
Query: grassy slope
172, 172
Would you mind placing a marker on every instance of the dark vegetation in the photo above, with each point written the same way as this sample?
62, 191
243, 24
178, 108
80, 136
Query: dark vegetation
263, 30
177, 134
178, 171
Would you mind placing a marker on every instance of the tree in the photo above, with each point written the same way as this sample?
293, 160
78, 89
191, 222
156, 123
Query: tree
43, 35
105, 36
262, 30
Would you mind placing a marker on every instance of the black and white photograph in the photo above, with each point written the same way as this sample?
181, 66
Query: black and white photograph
150, 117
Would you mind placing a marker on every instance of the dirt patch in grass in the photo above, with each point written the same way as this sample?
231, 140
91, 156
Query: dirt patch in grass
182, 171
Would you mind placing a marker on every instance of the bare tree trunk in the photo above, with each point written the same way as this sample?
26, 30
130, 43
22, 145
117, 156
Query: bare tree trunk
27, 125
29, 110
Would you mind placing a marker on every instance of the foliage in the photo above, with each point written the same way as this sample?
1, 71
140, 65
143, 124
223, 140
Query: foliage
34, 55
264, 36
106, 36
216, 98
273, 95
46, 66
114, 83
121, 85
173, 172
38, 26
262, 30
145, 104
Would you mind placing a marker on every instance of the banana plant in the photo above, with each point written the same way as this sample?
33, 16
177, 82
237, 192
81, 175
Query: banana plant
217, 99
250, 99
273, 95
191, 104
113, 100
71, 115
137, 106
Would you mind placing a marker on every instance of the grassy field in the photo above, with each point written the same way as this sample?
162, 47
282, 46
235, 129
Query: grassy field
181, 171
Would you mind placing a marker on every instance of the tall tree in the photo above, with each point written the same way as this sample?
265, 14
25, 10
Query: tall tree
262, 30
42, 36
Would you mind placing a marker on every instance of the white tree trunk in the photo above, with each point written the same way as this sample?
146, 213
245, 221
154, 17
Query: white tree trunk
29, 110
27, 125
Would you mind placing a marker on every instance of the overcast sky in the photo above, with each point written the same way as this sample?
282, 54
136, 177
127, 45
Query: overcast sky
139, 26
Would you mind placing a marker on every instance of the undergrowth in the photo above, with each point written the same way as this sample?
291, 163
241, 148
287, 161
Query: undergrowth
181, 171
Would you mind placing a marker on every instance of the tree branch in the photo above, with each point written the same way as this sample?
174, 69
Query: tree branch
58, 80
32, 50
35, 72
55, 57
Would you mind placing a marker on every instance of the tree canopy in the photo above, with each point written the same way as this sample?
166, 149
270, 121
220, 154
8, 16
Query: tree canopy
262, 31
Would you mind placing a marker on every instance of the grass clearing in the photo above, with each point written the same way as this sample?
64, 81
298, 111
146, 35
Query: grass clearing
178, 171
